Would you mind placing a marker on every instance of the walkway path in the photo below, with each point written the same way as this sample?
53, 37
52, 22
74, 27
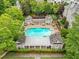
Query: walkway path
38, 56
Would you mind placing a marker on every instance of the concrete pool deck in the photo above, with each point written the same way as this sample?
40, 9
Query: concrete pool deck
39, 41
43, 42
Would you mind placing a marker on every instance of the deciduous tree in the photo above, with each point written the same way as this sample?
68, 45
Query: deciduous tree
15, 13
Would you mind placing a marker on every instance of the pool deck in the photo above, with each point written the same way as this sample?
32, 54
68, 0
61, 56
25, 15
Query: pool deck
41, 41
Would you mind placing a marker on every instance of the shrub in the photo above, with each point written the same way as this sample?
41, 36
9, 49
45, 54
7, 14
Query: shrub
55, 17
64, 32
27, 50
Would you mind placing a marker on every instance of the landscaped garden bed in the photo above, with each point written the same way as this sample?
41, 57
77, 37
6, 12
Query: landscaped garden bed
39, 50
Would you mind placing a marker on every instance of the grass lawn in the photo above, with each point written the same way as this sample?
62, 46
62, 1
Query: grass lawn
51, 58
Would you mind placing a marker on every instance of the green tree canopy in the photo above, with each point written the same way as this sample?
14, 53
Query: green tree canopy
15, 13
72, 40
5, 33
10, 31
13, 25
6, 39
25, 5
6, 4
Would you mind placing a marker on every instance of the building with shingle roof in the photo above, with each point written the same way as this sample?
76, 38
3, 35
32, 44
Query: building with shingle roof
56, 40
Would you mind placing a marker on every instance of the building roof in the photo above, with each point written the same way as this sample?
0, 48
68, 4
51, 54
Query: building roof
56, 38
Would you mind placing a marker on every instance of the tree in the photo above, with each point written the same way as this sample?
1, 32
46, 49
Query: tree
11, 19
16, 29
5, 33
64, 32
55, 7
33, 4
6, 4
72, 41
10, 45
6, 39
10, 31
13, 2
5, 20
15, 13
3, 6
37, 8
25, 5
47, 8
13, 25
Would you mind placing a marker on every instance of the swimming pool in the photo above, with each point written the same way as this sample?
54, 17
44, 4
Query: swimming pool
38, 32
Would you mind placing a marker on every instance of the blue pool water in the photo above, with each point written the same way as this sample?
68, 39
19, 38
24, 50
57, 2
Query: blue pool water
37, 32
